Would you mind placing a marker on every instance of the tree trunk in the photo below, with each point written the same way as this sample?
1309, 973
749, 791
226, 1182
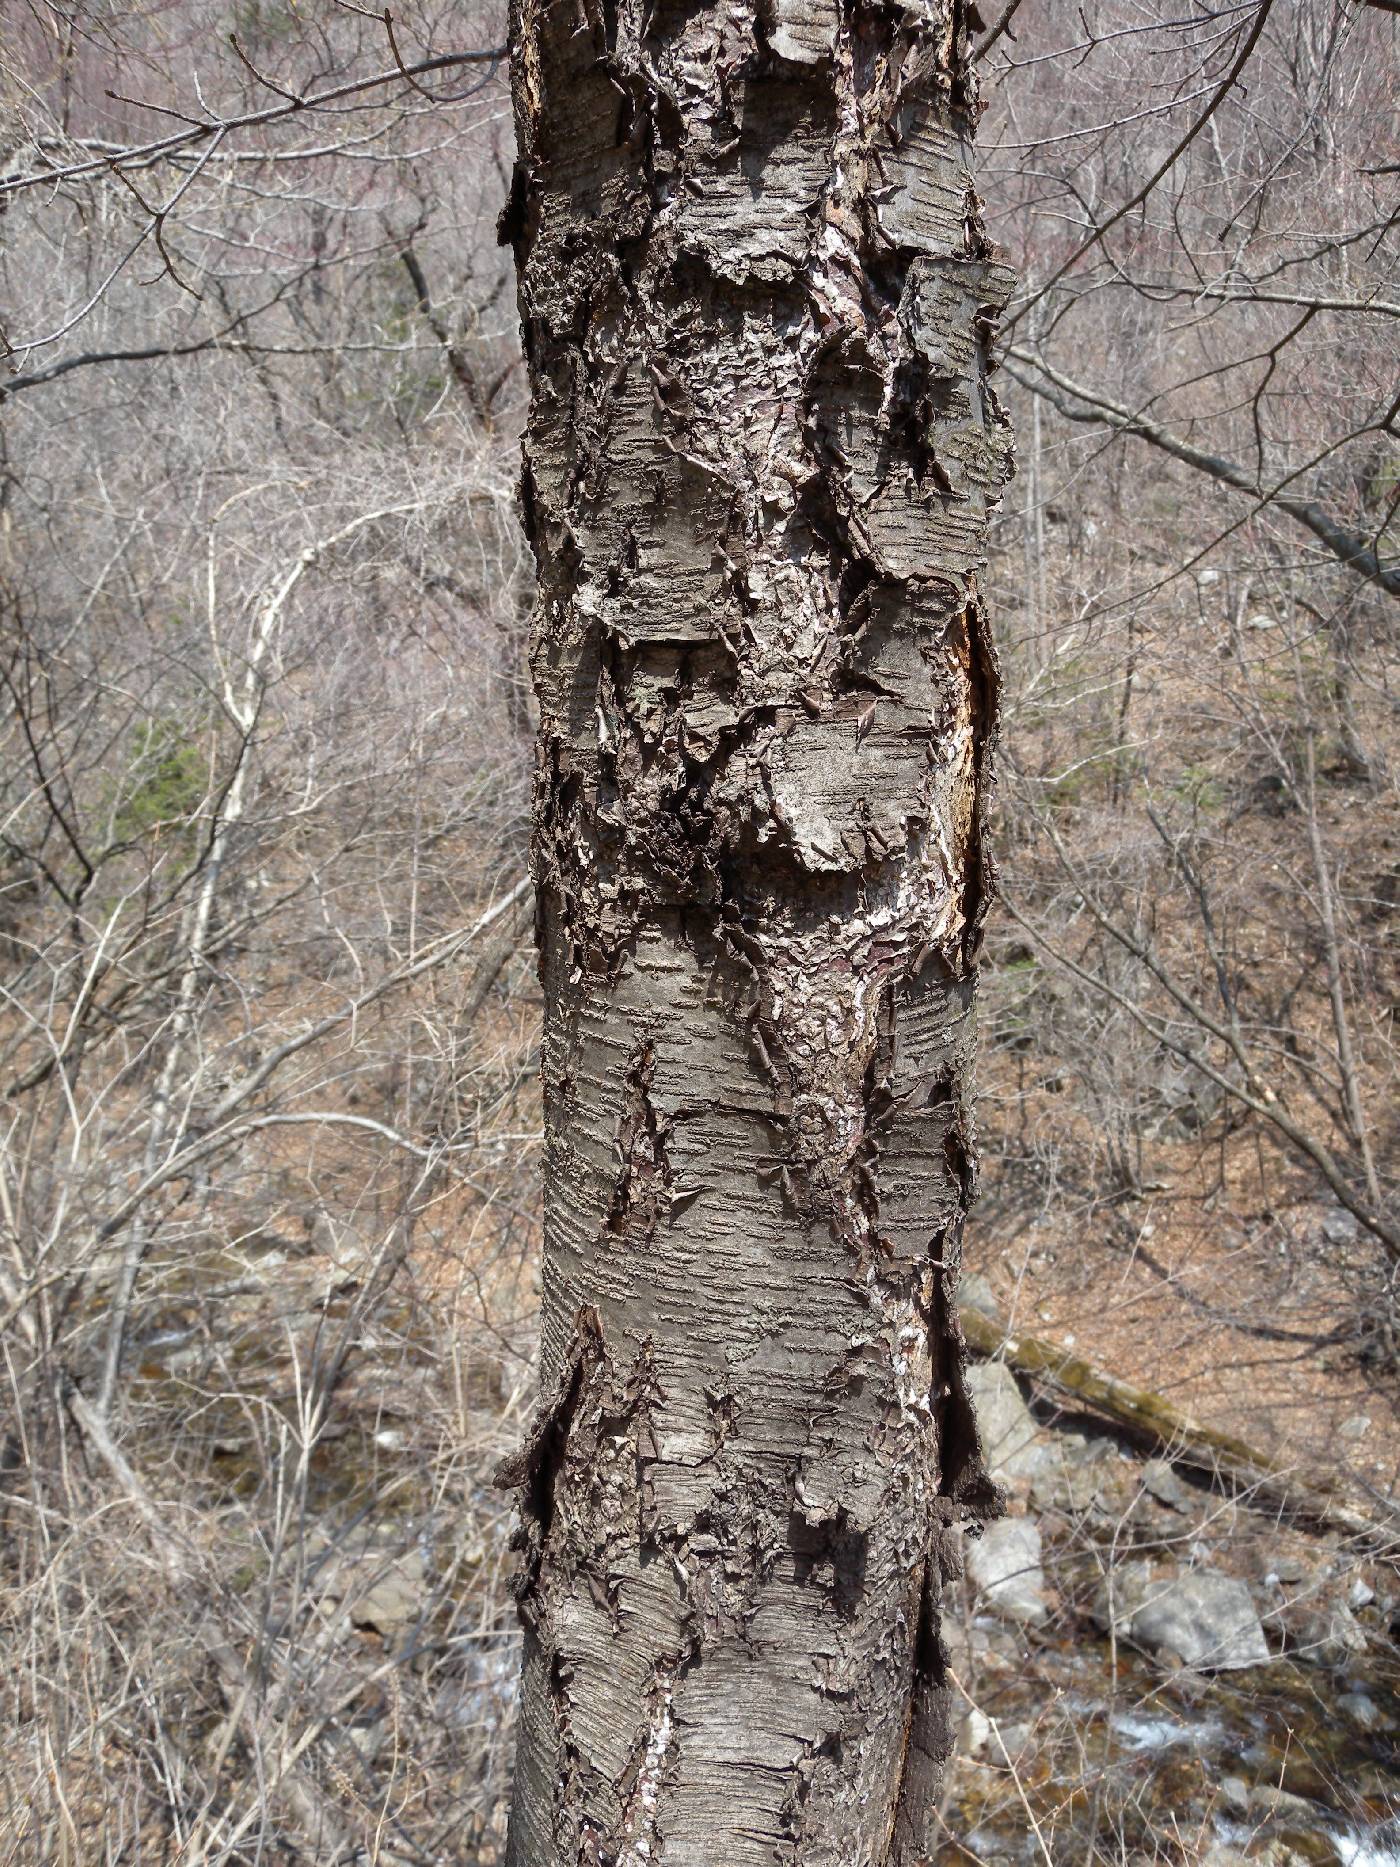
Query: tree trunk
761, 456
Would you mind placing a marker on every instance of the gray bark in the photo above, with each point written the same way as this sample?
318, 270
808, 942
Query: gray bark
762, 452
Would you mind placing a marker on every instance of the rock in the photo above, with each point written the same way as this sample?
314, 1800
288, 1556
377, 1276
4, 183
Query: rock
1290, 1569
981, 1650
1325, 1631
1340, 1227
1081, 1477
1004, 1564
1360, 1710
1356, 1428
1360, 1594
973, 1732
1276, 1804
1070, 1479
976, 1293
1311, 1611
1290, 1849
1010, 1437
1234, 1794
1120, 1595
380, 1590
1016, 1740
1160, 1480
1202, 1618
1207, 1619
369, 1738
1296, 1847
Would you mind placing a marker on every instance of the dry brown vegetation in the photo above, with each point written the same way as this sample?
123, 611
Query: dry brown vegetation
1195, 1056
268, 1125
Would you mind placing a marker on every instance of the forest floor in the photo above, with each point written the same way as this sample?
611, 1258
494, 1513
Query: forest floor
1237, 1309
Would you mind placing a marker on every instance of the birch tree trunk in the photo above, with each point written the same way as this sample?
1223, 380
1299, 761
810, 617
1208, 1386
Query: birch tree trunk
762, 452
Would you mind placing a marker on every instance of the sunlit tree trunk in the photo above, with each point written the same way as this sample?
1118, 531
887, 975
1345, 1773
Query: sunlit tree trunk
762, 452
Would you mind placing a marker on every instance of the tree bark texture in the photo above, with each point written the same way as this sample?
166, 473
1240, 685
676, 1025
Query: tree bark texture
757, 300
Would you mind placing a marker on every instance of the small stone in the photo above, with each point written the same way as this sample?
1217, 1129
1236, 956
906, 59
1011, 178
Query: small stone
1360, 1710
1159, 1480
1004, 1564
1287, 1569
973, 1732
1339, 1227
1360, 1594
1356, 1427
1234, 1793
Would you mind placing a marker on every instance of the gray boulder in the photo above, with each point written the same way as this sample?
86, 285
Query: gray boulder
1010, 1437
1004, 1564
1201, 1618
1311, 1610
1326, 1631
1160, 1481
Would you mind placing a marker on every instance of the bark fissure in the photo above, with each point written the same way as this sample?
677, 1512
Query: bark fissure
761, 457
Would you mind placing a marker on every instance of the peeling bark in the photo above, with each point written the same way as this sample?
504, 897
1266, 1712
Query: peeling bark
757, 301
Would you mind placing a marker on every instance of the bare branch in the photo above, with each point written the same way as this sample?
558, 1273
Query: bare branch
1084, 405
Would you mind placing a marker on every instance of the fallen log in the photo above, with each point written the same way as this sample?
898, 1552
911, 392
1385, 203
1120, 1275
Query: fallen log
1153, 1420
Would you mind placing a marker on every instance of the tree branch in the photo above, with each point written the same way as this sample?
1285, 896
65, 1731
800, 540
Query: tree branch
220, 1119
275, 113
1349, 547
1226, 85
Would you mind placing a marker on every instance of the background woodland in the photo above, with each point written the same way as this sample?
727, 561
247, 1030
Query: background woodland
269, 1152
